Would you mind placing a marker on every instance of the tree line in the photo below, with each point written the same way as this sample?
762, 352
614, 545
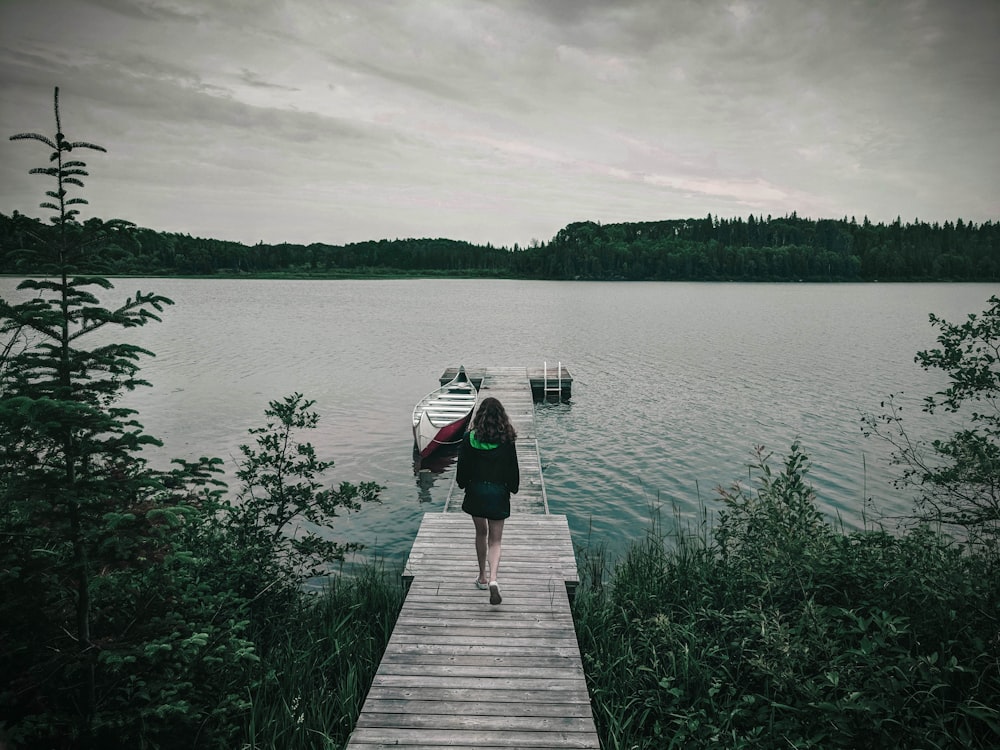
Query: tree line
788, 248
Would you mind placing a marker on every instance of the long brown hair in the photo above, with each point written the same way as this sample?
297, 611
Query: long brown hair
491, 423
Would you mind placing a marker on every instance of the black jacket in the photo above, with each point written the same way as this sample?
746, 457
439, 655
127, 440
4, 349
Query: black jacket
497, 464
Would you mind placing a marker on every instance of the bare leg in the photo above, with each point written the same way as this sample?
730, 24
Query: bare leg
482, 543
495, 538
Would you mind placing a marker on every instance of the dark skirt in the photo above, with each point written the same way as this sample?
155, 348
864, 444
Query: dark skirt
487, 500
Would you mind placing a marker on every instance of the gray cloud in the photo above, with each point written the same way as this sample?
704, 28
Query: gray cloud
152, 10
502, 121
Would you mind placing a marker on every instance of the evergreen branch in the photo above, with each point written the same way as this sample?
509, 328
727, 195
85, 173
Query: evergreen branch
133, 313
84, 144
35, 137
39, 285
81, 281
35, 322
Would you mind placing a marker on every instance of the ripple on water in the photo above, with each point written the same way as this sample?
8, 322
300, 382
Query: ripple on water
674, 384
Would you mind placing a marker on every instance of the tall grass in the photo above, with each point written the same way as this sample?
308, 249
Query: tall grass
315, 672
776, 630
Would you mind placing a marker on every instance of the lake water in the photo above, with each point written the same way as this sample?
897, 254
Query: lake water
674, 383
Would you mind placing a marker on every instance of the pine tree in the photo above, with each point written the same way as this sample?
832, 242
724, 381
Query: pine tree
84, 523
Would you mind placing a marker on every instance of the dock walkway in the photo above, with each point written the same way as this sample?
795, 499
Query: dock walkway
460, 673
510, 385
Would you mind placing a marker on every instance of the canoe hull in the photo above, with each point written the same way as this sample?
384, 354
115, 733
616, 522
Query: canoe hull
429, 438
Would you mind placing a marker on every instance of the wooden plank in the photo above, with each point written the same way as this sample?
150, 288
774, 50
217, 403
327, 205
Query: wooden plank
451, 648
486, 721
543, 660
474, 705
492, 672
391, 737
431, 618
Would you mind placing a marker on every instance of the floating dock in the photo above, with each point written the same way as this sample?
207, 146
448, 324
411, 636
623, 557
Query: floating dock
460, 673
548, 381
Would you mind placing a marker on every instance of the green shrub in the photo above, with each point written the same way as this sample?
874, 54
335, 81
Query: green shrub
779, 631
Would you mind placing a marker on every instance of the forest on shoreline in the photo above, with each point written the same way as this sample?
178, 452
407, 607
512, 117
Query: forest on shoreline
788, 248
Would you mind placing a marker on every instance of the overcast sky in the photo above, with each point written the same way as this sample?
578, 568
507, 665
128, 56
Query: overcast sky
502, 121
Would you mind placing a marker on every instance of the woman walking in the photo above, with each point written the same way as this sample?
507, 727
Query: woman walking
488, 472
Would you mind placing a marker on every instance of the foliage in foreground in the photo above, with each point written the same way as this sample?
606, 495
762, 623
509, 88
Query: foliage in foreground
776, 630
316, 669
142, 608
956, 478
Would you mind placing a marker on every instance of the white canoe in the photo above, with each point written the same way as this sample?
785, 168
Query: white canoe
440, 417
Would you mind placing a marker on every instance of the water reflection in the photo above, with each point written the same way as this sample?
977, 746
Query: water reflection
429, 470
559, 405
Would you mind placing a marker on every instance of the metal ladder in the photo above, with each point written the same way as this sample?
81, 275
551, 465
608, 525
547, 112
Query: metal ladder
547, 389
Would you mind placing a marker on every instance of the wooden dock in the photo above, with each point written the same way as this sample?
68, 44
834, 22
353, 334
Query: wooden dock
460, 673
510, 385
